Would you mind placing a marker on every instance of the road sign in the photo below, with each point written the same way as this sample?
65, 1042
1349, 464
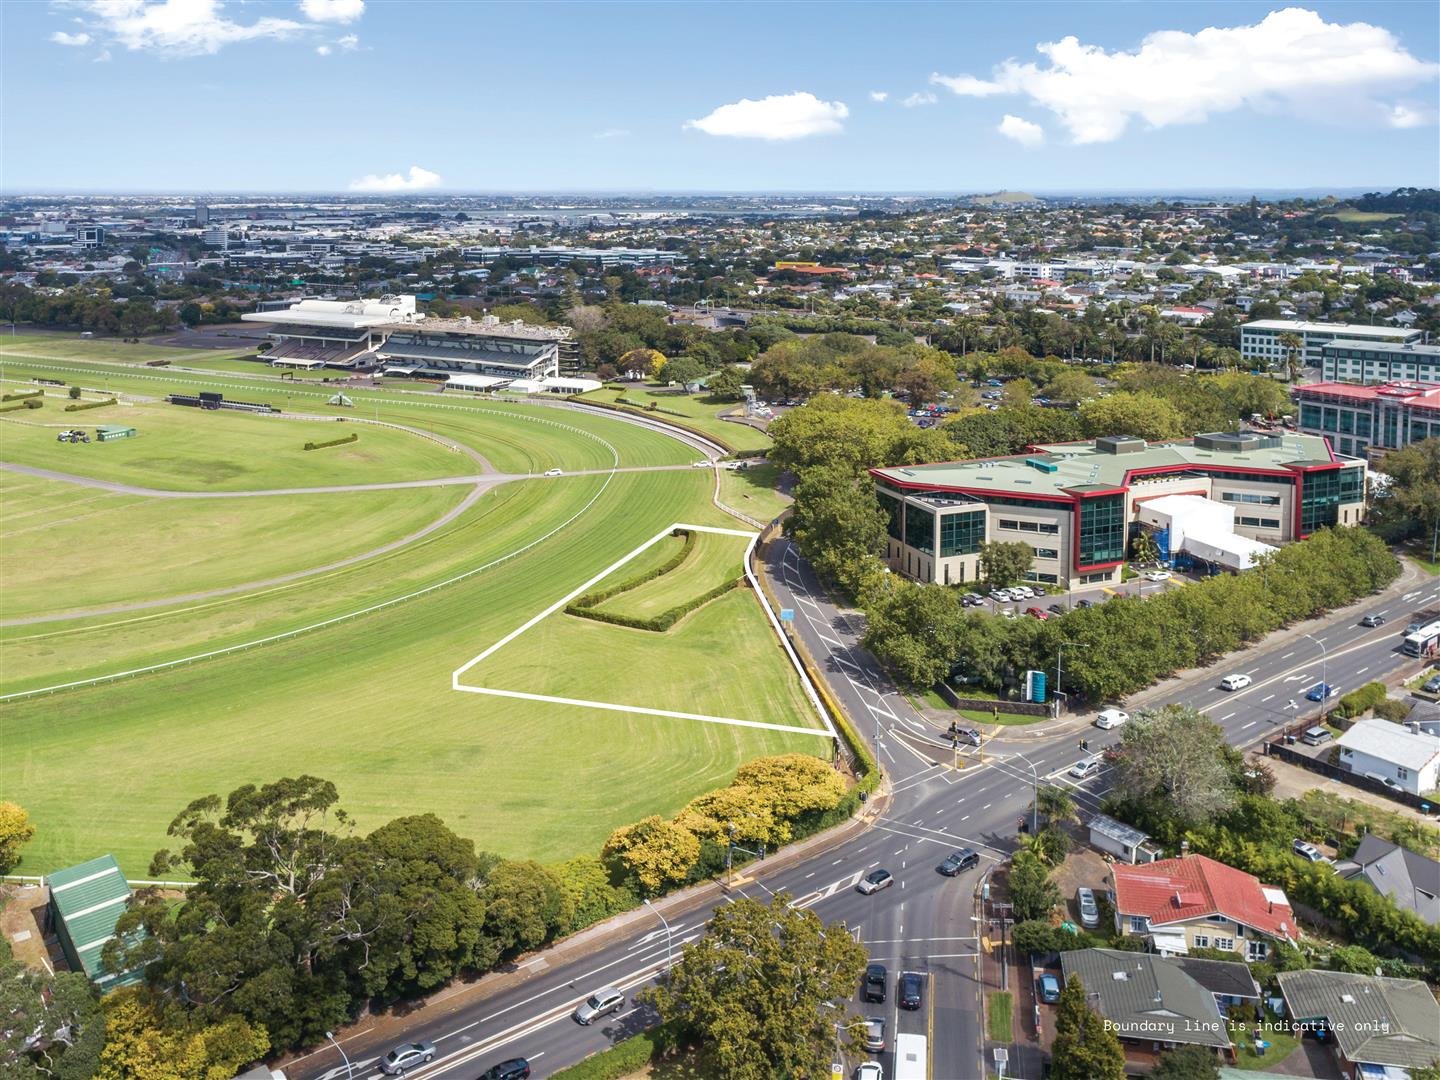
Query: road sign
787, 614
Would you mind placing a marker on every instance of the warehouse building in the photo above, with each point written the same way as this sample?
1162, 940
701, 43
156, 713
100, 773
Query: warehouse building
1078, 505
86, 902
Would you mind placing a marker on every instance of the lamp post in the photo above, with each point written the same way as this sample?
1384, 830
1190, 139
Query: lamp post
1324, 677
1059, 654
669, 952
1035, 795
349, 1069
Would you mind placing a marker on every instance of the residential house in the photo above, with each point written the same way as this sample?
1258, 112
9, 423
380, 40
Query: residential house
1379, 748
1375, 1024
1195, 902
1407, 877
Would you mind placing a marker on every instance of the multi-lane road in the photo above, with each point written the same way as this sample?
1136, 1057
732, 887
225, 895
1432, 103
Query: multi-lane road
931, 806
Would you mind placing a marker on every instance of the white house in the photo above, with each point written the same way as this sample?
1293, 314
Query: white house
1378, 747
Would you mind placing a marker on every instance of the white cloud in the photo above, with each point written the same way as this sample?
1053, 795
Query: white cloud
1292, 61
60, 37
323, 50
417, 179
1024, 132
777, 118
176, 27
348, 43
340, 11
920, 97
879, 95
612, 133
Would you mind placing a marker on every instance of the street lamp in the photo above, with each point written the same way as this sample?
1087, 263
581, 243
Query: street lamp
669, 954
1035, 795
349, 1070
1059, 653
1324, 678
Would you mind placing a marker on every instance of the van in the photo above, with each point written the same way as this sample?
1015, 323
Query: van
1315, 736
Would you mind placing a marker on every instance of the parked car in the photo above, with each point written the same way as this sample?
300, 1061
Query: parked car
972, 598
1315, 736
910, 991
874, 881
959, 861
601, 1003
875, 979
1049, 988
409, 1056
1056, 609
1022, 592
554, 472
1083, 770
1389, 782
1008, 613
1084, 603
514, 1069
1037, 613
1039, 590
1000, 596
1323, 692
1308, 852
875, 1034
1088, 908
1111, 718
1431, 685
869, 1070
1159, 575
1373, 619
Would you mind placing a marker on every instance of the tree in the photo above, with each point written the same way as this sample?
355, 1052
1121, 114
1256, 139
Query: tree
1056, 805
1072, 387
1005, 562
1175, 754
1016, 393
683, 370
1293, 344
1085, 1048
523, 903
837, 523
725, 384
1033, 936
846, 432
61, 1010
147, 1040
914, 629
75, 393
757, 990
1032, 893
651, 854
15, 832
647, 361
1410, 504
191, 314
1145, 416
1190, 1062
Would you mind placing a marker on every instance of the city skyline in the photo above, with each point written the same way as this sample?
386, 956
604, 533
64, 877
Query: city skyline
314, 97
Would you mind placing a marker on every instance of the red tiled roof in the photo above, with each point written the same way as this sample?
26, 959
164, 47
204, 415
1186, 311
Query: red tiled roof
1179, 890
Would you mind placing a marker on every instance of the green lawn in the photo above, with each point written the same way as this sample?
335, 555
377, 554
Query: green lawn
754, 491
1282, 1044
68, 548
999, 1016
263, 369
74, 347
714, 560
699, 410
1360, 216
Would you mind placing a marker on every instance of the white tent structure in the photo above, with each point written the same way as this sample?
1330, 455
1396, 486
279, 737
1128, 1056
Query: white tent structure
1203, 528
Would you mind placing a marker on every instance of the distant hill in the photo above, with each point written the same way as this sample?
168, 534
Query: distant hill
1003, 197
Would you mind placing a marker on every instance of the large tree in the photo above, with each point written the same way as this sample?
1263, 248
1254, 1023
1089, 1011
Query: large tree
837, 522
1411, 501
914, 629
1005, 562
62, 1011
15, 832
1032, 894
1085, 1047
1179, 757
758, 990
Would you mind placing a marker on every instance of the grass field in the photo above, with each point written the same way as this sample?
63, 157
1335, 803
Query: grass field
73, 347
1360, 217
68, 548
714, 560
699, 410
754, 491
263, 369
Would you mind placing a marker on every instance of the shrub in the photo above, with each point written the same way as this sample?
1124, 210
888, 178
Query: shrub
79, 406
624, 1058
1392, 709
1361, 701
74, 393
33, 403
18, 394
352, 437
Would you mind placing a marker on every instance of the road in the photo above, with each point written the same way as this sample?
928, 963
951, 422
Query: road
925, 922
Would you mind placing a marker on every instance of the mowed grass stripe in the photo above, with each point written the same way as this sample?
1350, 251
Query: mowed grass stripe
715, 559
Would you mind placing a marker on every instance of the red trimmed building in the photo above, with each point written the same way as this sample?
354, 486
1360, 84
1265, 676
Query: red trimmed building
1078, 504
1359, 419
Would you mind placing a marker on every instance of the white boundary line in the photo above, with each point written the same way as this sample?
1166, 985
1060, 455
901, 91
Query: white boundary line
828, 730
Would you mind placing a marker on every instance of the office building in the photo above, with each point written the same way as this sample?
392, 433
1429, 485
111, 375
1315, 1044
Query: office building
1358, 419
1261, 341
1368, 362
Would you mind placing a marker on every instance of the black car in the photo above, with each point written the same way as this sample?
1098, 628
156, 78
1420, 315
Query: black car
1057, 609
959, 862
514, 1069
1084, 603
875, 976
910, 989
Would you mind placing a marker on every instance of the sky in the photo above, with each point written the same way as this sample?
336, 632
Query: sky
412, 95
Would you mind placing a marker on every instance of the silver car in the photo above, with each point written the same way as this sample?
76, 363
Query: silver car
601, 1003
403, 1058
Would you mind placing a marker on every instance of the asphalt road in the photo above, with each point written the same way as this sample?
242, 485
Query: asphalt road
937, 802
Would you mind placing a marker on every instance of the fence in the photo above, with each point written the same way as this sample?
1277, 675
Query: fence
1278, 749
1021, 708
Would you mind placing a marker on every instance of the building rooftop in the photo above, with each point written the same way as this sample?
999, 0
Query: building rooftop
1391, 742
346, 314
486, 326
89, 899
1422, 395
1149, 997
1055, 471
1178, 890
1379, 333
1375, 1020
1410, 879
1407, 348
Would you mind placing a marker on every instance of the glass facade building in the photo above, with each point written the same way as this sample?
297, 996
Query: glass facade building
1102, 530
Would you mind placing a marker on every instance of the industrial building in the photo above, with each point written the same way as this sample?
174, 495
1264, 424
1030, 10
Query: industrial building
1260, 341
86, 902
1216, 500
1358, 419
1368, 362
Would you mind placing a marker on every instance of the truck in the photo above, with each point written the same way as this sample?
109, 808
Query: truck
912, 1058
1423, 641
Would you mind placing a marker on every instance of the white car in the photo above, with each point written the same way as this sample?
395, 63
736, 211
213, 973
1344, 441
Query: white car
874, 881
1158, 575
1089, 910
1235, 682
870, 1070
1009, 613
701, 465
1111, 718
554, 472
1083, 770
1023, 592
1000, 595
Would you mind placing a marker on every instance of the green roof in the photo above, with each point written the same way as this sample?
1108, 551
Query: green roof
1376, 1021
1085, 467
88, 900
1147, 996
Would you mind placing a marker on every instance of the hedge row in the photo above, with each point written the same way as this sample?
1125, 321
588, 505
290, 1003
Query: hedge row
651, 407
352, 437
1362, 700
590, 600
622, 1059
716, 439
80, 405
18, 394
662, 622
28, 403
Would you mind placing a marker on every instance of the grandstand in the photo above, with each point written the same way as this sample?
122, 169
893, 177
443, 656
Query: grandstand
333, 333
485, 348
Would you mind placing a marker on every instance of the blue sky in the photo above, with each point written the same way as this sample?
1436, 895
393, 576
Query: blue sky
318, 95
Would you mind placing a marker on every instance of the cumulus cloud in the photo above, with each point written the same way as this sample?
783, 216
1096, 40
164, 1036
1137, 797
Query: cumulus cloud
339, 11
777, 118
60, 37
1024, 132
920, 97
1291, 61
879, 95
172, 27
417, 179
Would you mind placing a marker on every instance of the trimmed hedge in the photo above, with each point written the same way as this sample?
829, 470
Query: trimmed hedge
352, 437
1361, 701
19, 394
580, 399
594, 598
626, 1057
28, 403
81, 405
662, 622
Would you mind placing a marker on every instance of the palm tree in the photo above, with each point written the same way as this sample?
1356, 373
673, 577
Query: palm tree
1056, 805
1292, 344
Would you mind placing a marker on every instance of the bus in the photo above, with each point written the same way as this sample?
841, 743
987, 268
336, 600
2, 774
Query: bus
1425, 641
912, 1058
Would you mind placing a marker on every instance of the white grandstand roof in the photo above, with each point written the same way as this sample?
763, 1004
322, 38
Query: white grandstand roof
489, 326
347, 314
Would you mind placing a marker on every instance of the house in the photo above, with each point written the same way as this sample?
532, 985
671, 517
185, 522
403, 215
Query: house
1410, 758
1407, 877
1376, 1024
1149, 1001
1121, 840
1194, 902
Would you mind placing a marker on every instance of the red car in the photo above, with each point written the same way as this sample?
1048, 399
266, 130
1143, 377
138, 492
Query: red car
1037, 613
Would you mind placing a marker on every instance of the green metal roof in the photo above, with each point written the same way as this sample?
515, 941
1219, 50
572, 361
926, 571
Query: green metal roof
88, 900
1376, 1021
